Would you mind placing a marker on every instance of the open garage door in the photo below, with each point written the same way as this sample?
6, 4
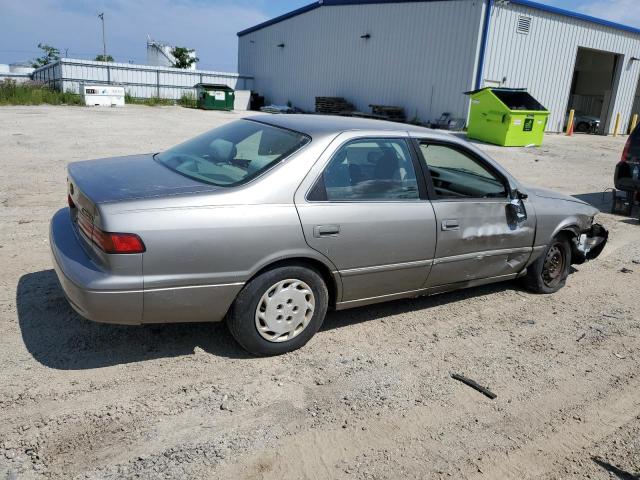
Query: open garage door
635, 110
593, 89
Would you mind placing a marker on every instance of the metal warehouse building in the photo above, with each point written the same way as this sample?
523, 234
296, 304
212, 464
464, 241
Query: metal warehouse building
422, 55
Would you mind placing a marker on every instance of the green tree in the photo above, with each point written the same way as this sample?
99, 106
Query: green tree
183, 57
51, 54
103, 58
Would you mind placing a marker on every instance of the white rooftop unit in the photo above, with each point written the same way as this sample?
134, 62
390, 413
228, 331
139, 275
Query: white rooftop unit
103, 96
159, 54
21, 68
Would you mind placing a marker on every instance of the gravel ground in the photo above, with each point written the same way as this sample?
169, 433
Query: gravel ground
370, 397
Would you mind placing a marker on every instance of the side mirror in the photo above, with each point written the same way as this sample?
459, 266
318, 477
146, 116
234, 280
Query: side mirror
516, 212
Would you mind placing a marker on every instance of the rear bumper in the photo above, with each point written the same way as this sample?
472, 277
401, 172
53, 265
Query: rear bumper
623, 178
82, 279
102, 296
590, 244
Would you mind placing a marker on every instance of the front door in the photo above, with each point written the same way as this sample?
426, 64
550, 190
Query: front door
478, 234
367, 212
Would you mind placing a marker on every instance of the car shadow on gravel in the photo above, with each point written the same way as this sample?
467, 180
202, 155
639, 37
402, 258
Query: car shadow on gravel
343, 318
59, 338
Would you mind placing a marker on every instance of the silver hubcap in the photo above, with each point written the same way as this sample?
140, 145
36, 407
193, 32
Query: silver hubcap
285, 310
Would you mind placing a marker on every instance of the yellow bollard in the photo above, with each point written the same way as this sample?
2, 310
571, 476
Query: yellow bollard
634, 122
570, 122
617, 125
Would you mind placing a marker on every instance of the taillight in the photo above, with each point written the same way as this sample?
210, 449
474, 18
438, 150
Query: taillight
70, 201
625, 150
117, 242
111, 242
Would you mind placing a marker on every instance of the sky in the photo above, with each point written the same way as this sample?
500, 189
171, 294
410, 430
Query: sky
209, 26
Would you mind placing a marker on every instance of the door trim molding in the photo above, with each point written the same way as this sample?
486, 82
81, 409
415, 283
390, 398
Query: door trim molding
481, 255
385, 268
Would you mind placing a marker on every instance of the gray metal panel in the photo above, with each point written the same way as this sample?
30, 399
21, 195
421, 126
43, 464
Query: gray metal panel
420, 56
140, 81
543, 61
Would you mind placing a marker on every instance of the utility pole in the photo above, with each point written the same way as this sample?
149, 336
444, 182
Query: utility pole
104, 43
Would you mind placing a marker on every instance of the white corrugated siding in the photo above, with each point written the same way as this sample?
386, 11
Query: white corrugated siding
140, 81
420, 56
543, 61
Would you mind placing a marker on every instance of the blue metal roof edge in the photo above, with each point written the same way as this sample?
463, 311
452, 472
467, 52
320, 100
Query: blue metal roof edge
524, 3
320, 3
579, 16
273, 21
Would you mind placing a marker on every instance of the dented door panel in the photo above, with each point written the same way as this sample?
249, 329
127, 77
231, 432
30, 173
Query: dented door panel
485, 244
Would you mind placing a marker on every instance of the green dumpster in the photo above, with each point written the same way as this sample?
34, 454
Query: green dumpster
510, 117
214, 97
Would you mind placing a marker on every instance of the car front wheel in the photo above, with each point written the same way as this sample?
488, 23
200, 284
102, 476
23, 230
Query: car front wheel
279, 310
549, 272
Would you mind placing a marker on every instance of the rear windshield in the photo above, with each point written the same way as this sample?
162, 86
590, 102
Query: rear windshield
232, 154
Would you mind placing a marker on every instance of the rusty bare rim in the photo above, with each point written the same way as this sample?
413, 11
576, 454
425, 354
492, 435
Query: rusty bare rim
285, 310
554, 266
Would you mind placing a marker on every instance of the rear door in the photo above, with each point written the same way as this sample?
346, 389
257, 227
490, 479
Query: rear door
477, 234
365, 208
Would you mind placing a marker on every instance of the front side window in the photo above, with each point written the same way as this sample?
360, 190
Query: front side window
458, 175
232, 154
371, 169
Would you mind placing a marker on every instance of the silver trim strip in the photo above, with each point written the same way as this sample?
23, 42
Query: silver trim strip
385, 268
480, 255
408, 292
160, 289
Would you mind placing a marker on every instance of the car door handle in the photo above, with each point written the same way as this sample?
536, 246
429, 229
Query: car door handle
450, 225
326, 231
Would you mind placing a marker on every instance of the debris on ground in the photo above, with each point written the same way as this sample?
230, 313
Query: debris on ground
467, 381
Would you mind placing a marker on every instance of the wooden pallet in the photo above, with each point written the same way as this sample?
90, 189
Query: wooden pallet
333, 105
390, 112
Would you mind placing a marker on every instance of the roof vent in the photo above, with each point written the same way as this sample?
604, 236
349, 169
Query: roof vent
524, 24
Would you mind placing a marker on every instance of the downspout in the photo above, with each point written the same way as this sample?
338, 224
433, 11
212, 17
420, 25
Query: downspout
483, 43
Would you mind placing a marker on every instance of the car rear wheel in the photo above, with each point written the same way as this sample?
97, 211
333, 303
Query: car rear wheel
582, 127
549, 272
279, 310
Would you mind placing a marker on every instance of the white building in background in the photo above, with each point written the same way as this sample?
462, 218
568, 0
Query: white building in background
142, 81
423, 56
159, 54
19, 71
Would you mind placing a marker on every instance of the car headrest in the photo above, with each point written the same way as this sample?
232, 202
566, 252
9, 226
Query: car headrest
222, 150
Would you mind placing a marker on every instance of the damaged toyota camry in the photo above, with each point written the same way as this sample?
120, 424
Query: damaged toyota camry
269, 221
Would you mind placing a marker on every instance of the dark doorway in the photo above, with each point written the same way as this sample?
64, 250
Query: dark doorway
593, 89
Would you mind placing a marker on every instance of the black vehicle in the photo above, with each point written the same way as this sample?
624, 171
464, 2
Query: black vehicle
627, 175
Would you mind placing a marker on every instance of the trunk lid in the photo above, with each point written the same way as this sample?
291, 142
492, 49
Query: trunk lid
128, 178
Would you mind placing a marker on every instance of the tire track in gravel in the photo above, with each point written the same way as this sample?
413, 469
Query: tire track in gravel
547, 453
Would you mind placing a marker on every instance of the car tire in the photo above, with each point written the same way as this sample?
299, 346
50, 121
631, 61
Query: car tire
582, 127
549, 272
288, 297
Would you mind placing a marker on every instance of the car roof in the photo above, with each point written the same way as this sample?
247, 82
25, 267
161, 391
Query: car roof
311, 124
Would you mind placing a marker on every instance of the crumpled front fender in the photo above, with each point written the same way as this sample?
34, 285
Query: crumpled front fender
588, 245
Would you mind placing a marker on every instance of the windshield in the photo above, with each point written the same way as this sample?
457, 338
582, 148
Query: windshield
232, 154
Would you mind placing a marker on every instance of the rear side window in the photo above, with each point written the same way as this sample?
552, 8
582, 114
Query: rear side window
369, 169
232, 154
457, 175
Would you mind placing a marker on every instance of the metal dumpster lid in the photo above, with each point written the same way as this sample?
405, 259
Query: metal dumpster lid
503, 89
213, 86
